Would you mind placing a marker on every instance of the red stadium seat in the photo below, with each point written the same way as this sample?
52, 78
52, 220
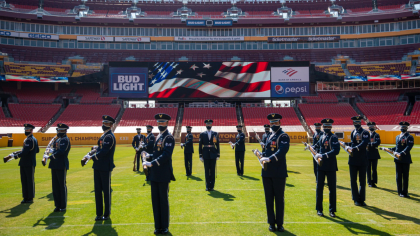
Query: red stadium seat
257, 116
87, 115
146, 116
224, 116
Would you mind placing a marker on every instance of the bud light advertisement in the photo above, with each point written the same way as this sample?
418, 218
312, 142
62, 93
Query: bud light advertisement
128, 82
290, 90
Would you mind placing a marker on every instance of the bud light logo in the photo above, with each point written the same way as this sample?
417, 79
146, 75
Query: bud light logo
279, 89
128, 82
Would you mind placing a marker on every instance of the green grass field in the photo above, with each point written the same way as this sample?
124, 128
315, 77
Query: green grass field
237, 207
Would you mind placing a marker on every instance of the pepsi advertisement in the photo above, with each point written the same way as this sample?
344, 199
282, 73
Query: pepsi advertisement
289, 90
128, 82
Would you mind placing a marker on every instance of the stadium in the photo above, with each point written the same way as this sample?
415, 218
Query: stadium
234, 62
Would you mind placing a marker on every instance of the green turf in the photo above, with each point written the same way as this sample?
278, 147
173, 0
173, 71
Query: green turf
236, 208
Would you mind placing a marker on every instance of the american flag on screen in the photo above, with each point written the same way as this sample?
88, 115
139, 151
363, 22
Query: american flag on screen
209, 80
290, 72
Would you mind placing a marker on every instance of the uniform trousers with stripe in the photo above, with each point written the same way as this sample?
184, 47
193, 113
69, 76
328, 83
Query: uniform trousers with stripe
59, 187
274, 191
102, 181
27, 178
160, 202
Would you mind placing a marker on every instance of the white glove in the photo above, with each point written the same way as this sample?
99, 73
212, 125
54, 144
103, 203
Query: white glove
255, 152
137, 149
217, 158
349, 149
88, 157
46, 157
147, 155
182, 144
262, 143
265, 159
148, 164
318, 156
397, 153
201, 159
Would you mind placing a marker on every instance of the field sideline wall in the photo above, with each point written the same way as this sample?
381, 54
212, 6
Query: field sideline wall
387, 137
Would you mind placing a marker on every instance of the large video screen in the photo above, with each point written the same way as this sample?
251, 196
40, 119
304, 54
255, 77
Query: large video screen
381, 78
209, 80
21, 78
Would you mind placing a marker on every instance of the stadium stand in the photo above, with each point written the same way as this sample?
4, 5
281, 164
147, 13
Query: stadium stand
388, 113
334, 70
35, 114
36, 92
225, 116
380, 96
37, 70
257, 116
86, 115
339, 112
321, 98
414, 117
383, 69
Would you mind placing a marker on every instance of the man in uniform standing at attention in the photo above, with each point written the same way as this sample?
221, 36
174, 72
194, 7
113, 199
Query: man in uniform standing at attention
103, 164
27, 164
136, 145
373, 155
329, 148
150, 143
209, 150
404, 144
358, 161
188, 151
161, 174
274, 178
317, 135
265, 136
59, 164
239, 151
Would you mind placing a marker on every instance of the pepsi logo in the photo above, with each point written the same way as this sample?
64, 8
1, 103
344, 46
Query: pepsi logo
279, 89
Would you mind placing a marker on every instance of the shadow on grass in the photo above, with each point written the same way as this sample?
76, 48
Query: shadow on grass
293, 172
283, 233
16, 210
343, 188
289, 185
102, 228
356, 228
389, 215
53, 221
415, 198
139, 172
50, 197
248, 177
194, 178
225, 196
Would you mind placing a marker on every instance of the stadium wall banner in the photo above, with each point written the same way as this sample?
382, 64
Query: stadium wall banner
128, 82
95, 38
289, 89
8, 33
222, 22
133, 39
196, 22
289, 74
295, 137
380, 78
20, 78
224, 138
209, 80
209, 39
39, 36
303, 39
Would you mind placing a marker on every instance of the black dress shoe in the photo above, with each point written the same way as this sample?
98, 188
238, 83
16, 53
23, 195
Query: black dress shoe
332, 214
105, 218
29, 201
207, 189
363, 204
357, 203
280, 228
320, 213
157, 231
370, 185
374, 186
272, 228
98, 218
63, 210
57, 209
212, 189
407, 196
23, 201
164, 231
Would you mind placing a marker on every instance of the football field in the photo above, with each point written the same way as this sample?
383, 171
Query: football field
237, 207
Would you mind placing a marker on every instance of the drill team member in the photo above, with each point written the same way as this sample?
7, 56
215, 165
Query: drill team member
136, 145
403, 145
240, 151
209, 150
59, 165
373, 155
161, 174
188, 151
274, 178
317, 135
265, 136
329, 148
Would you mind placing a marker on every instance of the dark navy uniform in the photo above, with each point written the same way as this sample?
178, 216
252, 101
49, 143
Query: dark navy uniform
316, 137
150, 143
358, 162
136, 143
265, 136
209, 150
59, 164
329, 148
188, 152
373, 156
103, 164
27, 165
274, 178
404, 143
161, 175
240, 152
